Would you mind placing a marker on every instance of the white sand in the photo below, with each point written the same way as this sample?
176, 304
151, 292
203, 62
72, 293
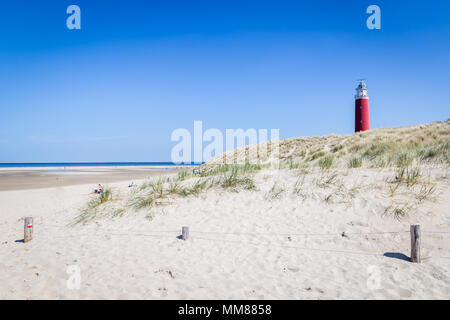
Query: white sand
243, 245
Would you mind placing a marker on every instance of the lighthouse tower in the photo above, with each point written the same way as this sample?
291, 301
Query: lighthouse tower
361, 108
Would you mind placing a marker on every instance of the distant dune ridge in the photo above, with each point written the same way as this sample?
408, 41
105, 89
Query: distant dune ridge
374, 148
330, 220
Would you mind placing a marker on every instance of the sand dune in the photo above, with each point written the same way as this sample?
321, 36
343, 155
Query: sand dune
301, 232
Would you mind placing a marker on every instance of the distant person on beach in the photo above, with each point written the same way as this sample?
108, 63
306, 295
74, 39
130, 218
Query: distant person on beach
99, 189
132, 185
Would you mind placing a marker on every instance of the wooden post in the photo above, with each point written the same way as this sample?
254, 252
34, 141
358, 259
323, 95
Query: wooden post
28, 229
184, 233
415, 243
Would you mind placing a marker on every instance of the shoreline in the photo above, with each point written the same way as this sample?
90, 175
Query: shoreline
53, 177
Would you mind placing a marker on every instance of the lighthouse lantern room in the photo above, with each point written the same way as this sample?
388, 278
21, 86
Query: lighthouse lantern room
361, 108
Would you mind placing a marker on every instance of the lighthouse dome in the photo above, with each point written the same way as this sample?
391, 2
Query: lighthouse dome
361, 91
362, 85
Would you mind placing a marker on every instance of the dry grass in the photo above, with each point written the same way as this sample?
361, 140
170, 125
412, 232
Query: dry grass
162, 192
398, 211
425, 192
94, 206
409, 176
405, 150
298, 186
378, 148
326, 180
355, 162
326, 162
276, 191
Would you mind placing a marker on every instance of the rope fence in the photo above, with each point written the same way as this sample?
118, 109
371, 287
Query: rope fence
341, 234
185, 234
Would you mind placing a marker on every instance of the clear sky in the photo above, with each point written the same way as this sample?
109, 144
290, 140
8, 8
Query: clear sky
137, 70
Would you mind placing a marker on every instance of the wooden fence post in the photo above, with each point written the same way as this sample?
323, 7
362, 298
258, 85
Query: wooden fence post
184, 233
415, 243
28, 229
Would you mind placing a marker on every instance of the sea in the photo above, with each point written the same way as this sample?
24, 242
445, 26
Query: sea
90, 164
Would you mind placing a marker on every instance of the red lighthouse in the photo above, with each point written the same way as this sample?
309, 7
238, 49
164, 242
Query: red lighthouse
361, 108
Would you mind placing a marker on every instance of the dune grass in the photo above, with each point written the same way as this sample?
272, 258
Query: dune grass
326, 180
326, 162
355, 162
276, 191
378, 148
405, 150
425, 192
299, 186
408, 175
398, 211
160, 192
239, 168
232, 180
91, 210
183, 174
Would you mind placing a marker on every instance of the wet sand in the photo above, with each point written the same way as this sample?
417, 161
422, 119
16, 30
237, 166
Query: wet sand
46, 177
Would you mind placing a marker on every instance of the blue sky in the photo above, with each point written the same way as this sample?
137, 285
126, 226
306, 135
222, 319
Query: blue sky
137, 70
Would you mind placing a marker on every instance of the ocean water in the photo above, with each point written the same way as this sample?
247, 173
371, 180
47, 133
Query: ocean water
89, 164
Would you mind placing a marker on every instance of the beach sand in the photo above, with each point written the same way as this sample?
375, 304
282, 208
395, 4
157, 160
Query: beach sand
285, 240
44, 177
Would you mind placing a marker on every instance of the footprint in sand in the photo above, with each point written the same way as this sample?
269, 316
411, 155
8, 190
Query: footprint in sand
404, 293
162, 292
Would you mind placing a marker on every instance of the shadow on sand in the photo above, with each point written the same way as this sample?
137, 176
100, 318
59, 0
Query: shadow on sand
397, 255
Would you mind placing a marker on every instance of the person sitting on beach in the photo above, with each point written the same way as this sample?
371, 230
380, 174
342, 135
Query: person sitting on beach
132, 185
99, 189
